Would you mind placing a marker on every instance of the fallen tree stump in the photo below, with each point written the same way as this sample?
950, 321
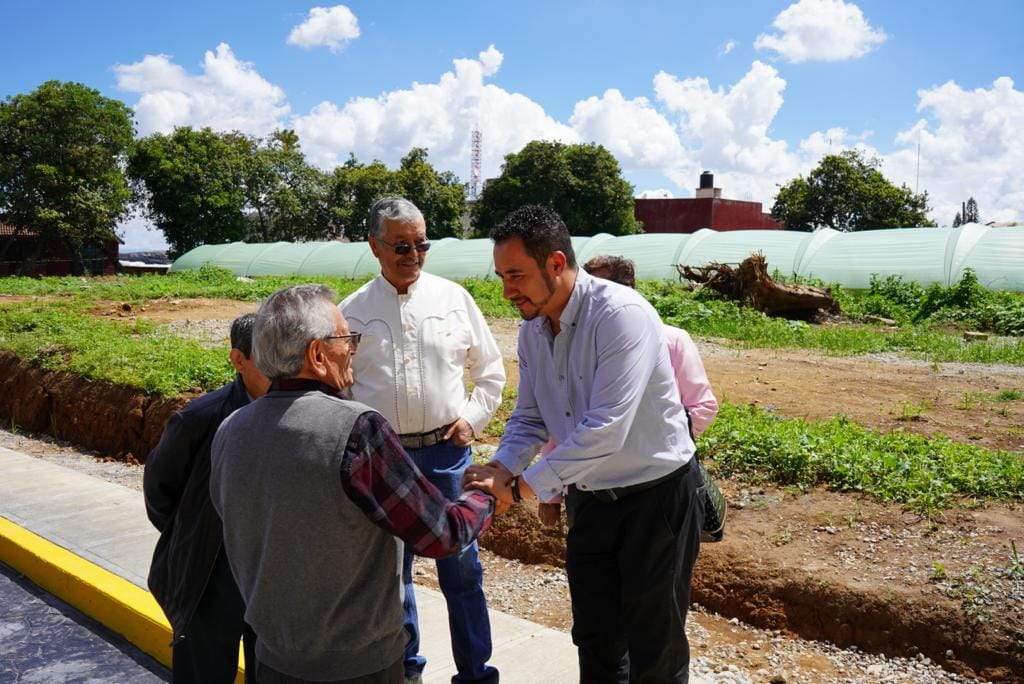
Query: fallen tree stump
750, 284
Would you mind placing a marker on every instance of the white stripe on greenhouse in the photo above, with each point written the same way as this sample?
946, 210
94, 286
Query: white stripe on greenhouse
926, 255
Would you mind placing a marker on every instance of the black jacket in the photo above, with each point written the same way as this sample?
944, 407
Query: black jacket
177, 488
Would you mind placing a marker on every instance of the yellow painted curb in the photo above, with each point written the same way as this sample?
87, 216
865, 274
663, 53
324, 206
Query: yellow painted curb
109, 599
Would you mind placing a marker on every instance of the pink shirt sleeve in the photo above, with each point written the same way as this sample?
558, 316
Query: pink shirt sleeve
694, 387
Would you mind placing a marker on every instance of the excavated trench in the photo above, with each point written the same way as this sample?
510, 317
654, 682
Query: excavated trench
734, 578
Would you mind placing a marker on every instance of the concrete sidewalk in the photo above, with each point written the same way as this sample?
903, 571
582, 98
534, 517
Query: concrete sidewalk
106, 524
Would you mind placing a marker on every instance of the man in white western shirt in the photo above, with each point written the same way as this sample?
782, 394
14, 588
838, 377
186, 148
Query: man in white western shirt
420, 333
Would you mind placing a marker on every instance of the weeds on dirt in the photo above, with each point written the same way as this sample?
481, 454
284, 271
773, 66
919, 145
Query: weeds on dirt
925, 474
911, 411
703, 314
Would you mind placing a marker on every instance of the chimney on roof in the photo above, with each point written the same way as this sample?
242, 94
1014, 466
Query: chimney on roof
707, 187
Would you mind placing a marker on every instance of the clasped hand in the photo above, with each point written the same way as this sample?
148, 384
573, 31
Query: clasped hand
492, 478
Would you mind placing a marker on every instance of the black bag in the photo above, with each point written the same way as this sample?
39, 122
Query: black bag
713, 502
712, 499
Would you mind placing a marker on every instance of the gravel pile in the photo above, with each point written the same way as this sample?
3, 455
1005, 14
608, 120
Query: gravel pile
725, 651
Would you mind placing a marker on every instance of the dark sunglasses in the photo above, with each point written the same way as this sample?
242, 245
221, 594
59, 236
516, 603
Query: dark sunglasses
406, 248
353, 339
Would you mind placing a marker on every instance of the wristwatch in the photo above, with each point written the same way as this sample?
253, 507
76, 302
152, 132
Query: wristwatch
514, 486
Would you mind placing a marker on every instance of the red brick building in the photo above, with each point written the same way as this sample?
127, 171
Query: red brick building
706, 210
17, 246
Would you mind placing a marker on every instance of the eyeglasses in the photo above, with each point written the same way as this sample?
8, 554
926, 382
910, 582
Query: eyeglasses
353, 339
405, 248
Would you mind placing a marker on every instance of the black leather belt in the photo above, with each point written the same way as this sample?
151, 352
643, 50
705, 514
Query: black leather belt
424, 439
616, 493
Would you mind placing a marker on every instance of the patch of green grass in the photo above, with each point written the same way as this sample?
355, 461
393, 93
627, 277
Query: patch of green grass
925, 474
702, 314
57, 337
208, 281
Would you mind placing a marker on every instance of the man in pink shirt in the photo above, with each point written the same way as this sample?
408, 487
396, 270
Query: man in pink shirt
691, 378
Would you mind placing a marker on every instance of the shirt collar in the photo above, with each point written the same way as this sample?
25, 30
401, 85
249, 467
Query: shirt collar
303, 385
572, 308
392, 290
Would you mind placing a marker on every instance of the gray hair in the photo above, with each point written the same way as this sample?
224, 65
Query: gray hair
392, 209
285, 325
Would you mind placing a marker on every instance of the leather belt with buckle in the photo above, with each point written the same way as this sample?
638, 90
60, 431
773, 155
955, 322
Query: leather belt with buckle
424, 439
616, 493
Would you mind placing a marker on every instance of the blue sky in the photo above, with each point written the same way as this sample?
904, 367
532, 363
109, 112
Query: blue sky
756, 91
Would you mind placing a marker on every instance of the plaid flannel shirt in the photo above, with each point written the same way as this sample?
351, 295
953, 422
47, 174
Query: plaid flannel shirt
381, 479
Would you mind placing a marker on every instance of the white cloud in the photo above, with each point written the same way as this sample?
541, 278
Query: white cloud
333, 27
726, 130
632, 130
727, 47
439, 116
491, 60
660, 193
228, 95
970, 142
821, 30
970, 146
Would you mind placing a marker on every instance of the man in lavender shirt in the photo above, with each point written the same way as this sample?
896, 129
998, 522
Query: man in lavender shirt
691, 378
595, 377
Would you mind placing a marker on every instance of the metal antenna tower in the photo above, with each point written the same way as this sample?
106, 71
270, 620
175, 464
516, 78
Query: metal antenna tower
476, 144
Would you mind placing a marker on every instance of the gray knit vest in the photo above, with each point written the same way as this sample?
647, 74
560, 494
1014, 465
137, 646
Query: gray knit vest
321, 583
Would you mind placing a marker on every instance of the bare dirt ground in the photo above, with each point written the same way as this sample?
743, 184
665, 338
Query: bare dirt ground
827, 566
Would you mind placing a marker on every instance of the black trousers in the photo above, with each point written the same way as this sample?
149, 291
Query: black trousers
395, 674
209, 652
629, 564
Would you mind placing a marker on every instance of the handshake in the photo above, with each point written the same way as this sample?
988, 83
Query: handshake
495, 479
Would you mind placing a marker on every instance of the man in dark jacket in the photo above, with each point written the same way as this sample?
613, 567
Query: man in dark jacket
190, 577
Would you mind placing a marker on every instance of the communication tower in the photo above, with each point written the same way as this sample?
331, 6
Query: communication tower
476, 143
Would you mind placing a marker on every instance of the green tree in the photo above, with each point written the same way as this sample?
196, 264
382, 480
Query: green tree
192, 185
62, 151
286, 198
847, 192
440, 196
583, 183
354, 189
970, 214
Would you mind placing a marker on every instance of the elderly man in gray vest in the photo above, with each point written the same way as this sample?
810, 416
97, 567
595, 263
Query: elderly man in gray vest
312, 490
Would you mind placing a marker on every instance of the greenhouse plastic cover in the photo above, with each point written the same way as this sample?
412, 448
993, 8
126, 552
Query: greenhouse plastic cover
927, 255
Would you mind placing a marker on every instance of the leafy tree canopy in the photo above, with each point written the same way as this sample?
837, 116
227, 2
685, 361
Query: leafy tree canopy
201, 186
847, 192
441, 197
192, 184
62, 150
583, 183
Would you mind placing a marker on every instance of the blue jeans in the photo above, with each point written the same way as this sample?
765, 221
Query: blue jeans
460, 577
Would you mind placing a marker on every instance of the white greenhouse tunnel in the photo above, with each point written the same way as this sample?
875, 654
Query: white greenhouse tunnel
925, 255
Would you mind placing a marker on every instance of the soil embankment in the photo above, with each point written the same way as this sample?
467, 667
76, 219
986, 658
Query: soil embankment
113, 419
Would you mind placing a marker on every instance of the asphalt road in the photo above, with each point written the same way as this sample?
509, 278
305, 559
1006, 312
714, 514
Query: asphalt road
42, 639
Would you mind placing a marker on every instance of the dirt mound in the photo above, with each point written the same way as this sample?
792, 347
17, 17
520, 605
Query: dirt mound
113, 419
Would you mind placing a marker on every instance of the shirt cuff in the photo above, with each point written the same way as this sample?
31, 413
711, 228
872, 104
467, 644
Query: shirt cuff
544, 481
476, 417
